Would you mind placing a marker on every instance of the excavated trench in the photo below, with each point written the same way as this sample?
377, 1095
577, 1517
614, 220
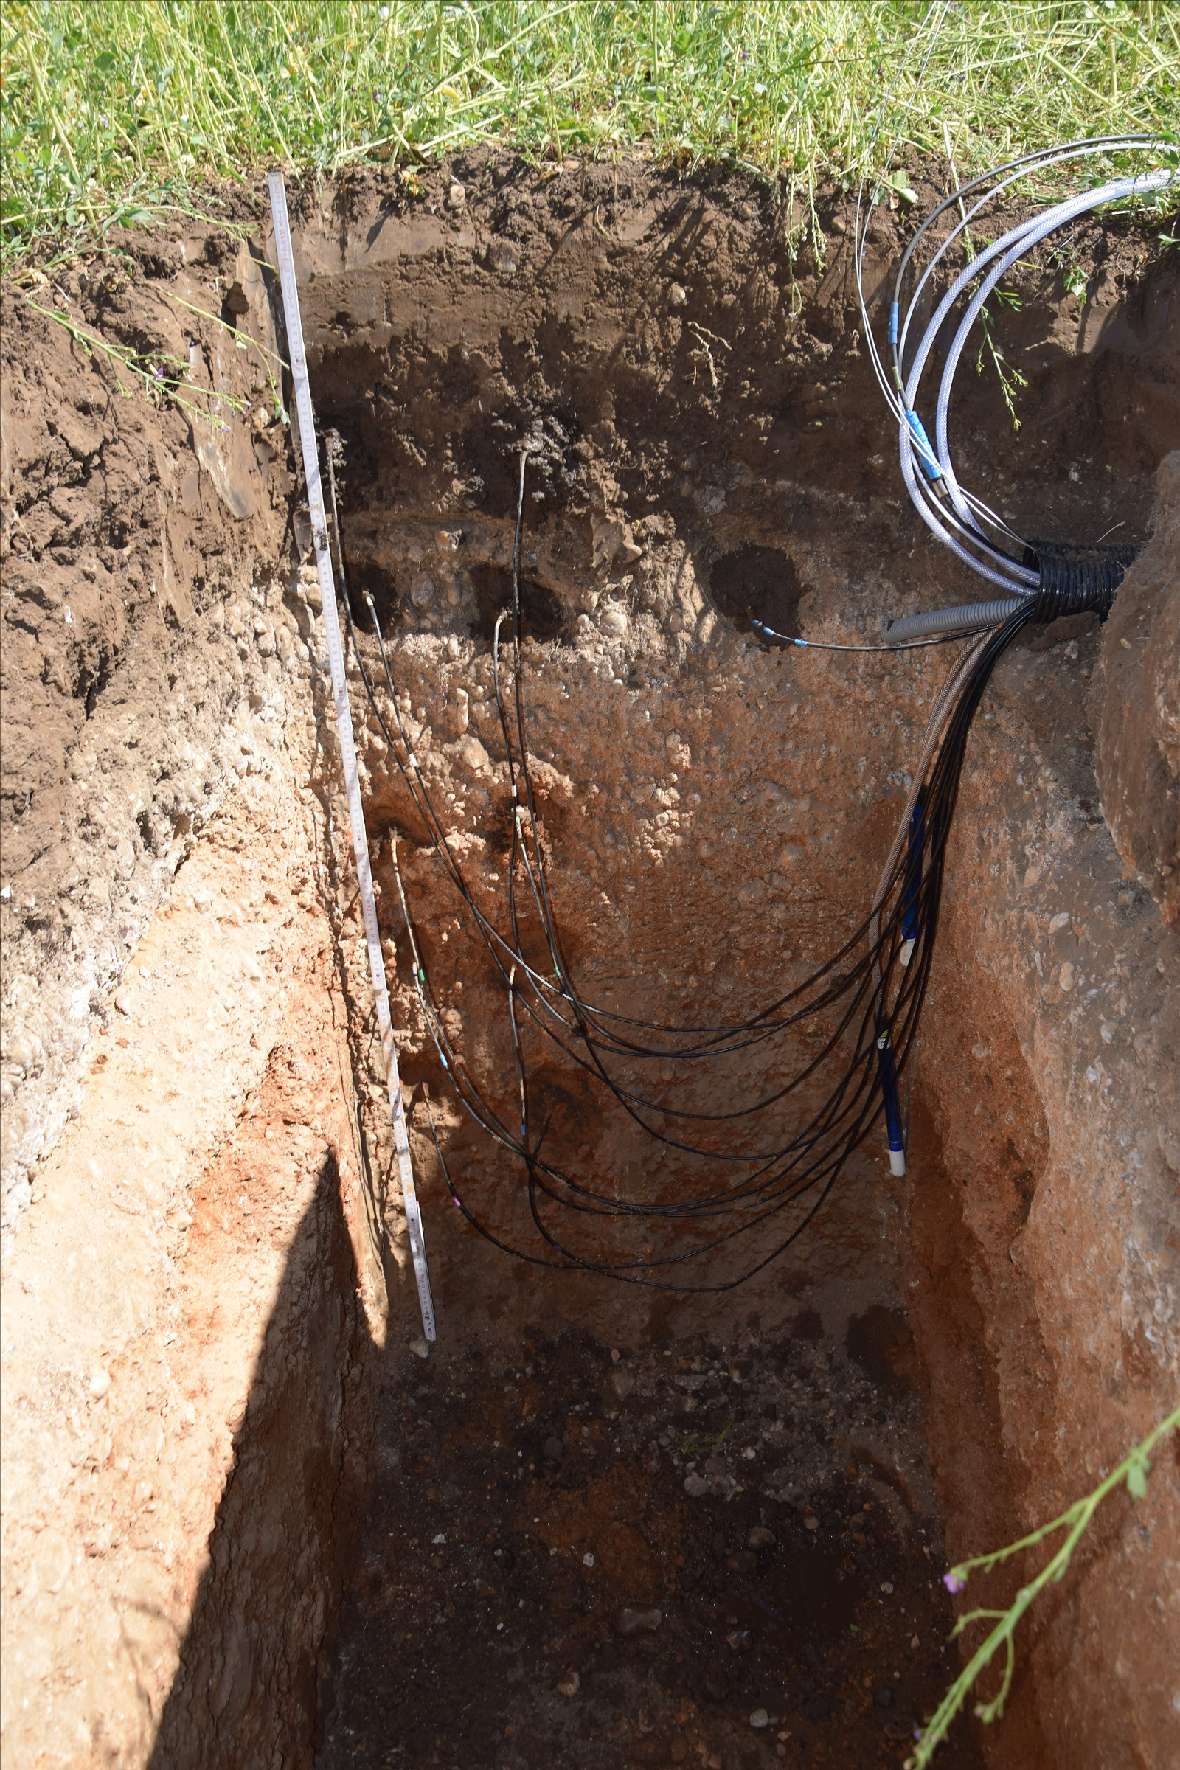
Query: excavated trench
604, 1525
657, 1528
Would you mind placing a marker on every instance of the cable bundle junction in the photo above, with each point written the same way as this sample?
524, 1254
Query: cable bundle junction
1054, 579
754, 1172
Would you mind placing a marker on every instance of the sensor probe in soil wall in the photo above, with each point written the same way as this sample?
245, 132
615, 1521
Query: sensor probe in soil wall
309, 448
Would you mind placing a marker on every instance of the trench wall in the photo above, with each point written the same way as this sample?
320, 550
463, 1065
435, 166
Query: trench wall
193, 1265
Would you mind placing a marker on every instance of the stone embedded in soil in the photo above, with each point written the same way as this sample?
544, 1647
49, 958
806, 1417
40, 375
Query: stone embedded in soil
636, 1622
502, 258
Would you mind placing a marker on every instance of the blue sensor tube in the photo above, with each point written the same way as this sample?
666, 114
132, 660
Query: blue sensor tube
887, 1071
910, 925
926, 456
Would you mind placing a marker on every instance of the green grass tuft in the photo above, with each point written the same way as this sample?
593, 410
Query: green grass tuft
113, 106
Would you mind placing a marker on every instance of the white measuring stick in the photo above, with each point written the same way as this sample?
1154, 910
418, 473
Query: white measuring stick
360, 838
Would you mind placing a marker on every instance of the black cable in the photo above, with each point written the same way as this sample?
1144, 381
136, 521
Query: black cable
812, 1160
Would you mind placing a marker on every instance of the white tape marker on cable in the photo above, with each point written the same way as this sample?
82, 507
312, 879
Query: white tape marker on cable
360, 839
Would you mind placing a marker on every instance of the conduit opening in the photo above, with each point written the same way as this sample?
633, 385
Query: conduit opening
542, 615
756, 583
367, 579
640, 1511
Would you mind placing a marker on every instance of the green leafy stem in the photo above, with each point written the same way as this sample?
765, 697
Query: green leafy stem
1074, 1522
162, 376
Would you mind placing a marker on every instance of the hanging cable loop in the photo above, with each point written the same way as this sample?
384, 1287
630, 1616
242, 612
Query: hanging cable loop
756, 1115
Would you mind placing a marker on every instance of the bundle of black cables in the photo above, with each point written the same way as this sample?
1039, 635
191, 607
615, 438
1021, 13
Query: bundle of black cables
860, 1009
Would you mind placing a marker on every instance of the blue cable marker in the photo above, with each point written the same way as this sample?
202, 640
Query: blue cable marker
887, 1070
926, 454
910, 926
893, 319
768, 632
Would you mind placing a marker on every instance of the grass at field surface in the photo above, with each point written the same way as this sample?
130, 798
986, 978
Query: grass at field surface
112, 106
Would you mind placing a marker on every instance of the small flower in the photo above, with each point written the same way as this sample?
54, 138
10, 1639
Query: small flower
953, 1581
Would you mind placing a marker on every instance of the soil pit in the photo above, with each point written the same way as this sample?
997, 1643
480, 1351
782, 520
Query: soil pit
713, 813
601, 1526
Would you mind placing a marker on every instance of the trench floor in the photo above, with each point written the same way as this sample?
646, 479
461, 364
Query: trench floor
719, 1556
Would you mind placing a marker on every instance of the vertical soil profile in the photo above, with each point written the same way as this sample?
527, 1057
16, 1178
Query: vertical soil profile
248, 1522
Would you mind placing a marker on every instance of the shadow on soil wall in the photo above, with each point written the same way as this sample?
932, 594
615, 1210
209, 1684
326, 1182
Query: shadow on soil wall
246, 1689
